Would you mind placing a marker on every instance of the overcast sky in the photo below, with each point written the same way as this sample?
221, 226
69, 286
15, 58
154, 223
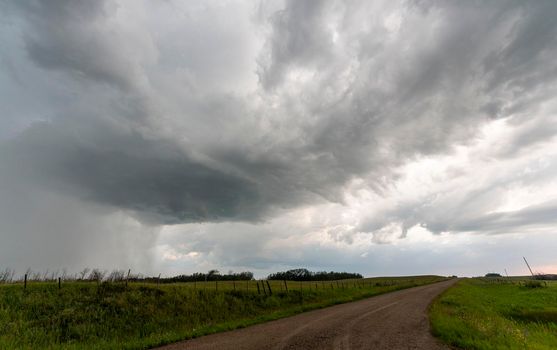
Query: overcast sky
379, 137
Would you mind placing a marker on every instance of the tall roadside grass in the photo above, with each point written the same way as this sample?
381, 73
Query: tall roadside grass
497, 314
94, 315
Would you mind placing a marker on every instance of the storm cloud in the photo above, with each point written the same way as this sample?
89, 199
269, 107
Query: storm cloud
356, 122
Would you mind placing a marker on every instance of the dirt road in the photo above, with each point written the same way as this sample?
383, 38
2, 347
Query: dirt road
396, 320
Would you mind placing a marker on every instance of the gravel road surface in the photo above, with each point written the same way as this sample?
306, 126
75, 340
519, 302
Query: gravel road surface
396, 320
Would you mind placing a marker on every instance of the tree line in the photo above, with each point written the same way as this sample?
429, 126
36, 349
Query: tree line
306, 275
87, 274
213, 275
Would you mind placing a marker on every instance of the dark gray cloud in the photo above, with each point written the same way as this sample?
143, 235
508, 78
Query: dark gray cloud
158, 112
78, 37
534, 217
125, 170
390, 108
300, 37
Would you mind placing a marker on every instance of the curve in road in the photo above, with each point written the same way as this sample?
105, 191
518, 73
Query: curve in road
396, 320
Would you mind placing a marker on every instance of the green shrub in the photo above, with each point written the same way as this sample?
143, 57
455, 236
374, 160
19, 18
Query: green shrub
533, 284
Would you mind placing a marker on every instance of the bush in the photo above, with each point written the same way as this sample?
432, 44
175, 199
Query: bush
533, 284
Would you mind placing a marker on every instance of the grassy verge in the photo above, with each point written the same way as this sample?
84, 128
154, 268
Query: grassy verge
139, 316
491, 314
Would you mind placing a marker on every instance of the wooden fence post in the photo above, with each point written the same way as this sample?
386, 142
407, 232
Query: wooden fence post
25, 282
59, 283
258, 290
285, 286
270, 290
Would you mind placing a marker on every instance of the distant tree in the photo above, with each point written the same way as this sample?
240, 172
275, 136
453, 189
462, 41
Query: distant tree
96, 275
200, 277
116, 276
7, 275
212, 275
542, 276
493, 274
306, 275
84, 273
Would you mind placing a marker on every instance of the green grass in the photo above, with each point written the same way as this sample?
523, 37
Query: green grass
494, 314
139, 316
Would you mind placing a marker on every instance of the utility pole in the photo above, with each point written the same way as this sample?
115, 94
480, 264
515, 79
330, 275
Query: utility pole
526, 261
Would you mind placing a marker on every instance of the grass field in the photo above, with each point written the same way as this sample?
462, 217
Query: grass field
495, 314
139, 316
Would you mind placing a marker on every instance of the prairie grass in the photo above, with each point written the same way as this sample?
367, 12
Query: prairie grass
87, 315
495, 314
